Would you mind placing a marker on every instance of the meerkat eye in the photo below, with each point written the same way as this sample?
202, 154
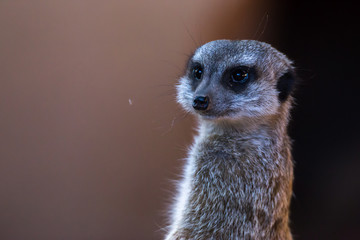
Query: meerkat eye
197, 72
240, 76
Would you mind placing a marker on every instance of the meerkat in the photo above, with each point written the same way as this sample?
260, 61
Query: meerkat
237, 181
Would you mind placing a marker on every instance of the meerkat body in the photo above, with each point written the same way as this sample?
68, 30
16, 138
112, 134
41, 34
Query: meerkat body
238, 177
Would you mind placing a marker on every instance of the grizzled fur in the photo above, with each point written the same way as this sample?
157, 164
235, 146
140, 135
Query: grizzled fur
238, 177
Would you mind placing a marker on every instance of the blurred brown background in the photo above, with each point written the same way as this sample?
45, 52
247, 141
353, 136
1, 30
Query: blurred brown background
90, 134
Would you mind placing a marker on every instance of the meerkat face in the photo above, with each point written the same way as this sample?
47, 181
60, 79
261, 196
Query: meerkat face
235, 79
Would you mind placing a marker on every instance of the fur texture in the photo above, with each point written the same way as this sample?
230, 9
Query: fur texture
237, 182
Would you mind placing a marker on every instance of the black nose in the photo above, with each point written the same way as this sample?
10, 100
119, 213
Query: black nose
201, 103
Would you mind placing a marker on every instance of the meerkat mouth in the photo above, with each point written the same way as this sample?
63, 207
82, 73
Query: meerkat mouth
212, 115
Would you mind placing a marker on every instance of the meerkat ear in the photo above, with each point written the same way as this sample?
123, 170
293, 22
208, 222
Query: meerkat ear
285, 85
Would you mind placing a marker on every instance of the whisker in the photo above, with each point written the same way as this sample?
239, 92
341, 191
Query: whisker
175, 121
190, 35
266, 18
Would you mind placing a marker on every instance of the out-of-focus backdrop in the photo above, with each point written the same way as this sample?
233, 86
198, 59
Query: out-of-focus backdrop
90, 134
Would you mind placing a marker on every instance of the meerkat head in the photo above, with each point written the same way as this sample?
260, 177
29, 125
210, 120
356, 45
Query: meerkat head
234, 79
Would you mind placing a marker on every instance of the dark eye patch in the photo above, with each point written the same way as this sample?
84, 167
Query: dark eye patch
237, 78
195, 73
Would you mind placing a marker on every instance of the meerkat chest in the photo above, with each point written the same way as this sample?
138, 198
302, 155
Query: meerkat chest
239, 157
231, 168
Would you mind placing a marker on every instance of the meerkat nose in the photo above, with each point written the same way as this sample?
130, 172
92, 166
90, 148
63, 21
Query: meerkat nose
201, 103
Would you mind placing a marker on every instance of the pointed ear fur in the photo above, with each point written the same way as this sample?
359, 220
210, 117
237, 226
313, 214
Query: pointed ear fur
285, 85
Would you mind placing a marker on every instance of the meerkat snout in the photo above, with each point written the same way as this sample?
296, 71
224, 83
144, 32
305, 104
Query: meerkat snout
201, 103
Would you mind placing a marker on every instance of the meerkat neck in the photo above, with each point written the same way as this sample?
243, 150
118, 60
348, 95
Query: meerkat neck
271, 127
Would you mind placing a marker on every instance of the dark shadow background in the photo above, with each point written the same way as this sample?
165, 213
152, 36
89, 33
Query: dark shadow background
323, 40
90, 134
